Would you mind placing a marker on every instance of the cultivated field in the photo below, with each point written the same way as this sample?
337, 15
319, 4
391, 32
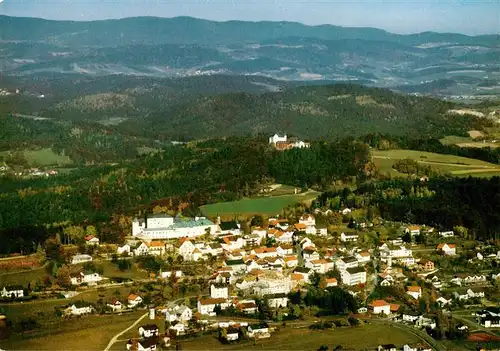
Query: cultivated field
43, 157
260, 205
359, 338
456, 165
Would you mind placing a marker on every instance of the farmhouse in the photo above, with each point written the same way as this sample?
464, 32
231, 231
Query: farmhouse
87, 278
148, 330
162, 226
277, 300
134, 300
414, 291
115, 305
78, 311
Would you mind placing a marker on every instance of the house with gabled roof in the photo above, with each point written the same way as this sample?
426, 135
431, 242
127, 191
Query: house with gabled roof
320, 266
447, 249
134, 300
414, 291
353, 276
156, 248
348, 237
91, 240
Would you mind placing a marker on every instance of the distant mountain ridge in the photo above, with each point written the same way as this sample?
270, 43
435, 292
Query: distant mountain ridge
289, 51
189, 30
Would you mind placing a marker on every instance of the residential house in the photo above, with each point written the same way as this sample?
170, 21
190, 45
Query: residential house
380, 307
397, 253
346, 211
76, 259
78, 311
156, 248
489, 321
115, 305
353, 276
215, 249
168, 274
259, 331
329, 282
142, 345
291, 261
346, 262
85, 278
320, 266
207, 305
466, 294
232, 334
414, 291
416, 347
410, 317
284, 250
279, 300
148, 330
186, 249
178, 313
363, 257
297, 279
230, 227
285, 237
387, 347
447, 249
426, 265
264, 251
447, 234
349, 237
125, 249
134, 300
91, 240
308, 220
141, 250
232, 242
247, 306
238, 266
306, 272
13, 291
413, 230
219, 290
442, 301
310, 253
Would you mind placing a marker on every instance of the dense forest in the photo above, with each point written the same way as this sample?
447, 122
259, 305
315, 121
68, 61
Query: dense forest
440, 202
180, 178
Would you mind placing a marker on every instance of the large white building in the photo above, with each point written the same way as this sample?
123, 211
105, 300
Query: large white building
162, 226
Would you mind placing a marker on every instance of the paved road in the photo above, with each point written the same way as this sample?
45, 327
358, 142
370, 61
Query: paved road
115, 338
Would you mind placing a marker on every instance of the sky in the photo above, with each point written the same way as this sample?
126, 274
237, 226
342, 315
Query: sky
471, 17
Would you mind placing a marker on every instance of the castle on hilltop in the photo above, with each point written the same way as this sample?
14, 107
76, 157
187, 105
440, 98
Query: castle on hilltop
285, 143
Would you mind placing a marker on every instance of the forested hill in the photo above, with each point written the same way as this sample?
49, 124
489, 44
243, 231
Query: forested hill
312, 112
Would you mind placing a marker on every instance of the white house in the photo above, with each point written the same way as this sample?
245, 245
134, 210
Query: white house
447, 234
310, 253
346, 262
168, 274
81, 259
178, 313
277, 138
85, 278
207, 305
330, 282
123, 249
91, 240
219, 290
447, 249
134, 300
148, 330
414, 291
156, 248
115, 305
416, 347
353, 276
78, 311
12, 292
320, 266
363, 257
277, 300
186, 249
141, 250
162, 226
380, 306
258, 331
349, 237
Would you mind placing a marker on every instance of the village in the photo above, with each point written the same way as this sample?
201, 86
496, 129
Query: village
256, 279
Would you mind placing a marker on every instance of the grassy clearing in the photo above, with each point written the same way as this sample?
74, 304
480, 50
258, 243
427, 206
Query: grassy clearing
22, 277
43, 157
259, 205
358, 338
453, 139
456, 165
87, 333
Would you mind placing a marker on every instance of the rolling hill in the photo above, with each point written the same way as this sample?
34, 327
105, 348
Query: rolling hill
184, 46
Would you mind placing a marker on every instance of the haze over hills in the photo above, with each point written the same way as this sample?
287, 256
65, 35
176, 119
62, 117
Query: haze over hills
185, 46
